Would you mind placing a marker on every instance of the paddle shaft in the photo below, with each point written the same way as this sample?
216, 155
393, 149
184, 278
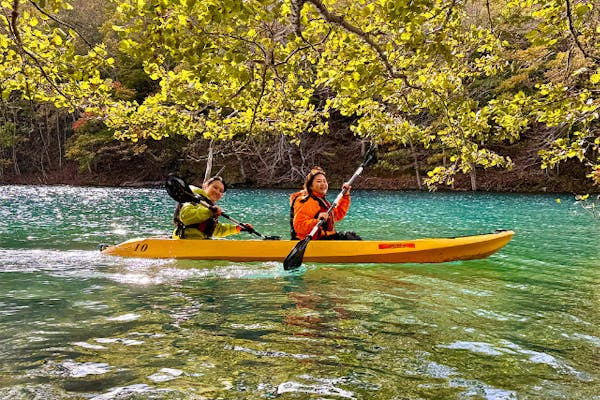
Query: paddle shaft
181, 192
294, 259
315, 229
238, 223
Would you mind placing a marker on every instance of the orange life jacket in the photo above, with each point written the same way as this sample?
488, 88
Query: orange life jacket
304, 211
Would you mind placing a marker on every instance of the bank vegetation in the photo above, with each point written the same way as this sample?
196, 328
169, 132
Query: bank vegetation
457, 95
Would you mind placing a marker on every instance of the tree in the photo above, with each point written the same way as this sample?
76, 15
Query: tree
422, 73
39, 59
553, 86
9, 139
230, 68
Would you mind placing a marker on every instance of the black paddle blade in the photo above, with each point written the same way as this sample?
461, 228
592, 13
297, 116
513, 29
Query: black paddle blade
179, 190
371, 156
274, 237
294, 259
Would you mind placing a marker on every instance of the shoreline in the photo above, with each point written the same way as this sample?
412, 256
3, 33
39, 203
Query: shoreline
386, 186
488, 181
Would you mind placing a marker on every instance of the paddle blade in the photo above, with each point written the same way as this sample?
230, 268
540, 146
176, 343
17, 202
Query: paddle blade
179, 190
370, 156
294, 259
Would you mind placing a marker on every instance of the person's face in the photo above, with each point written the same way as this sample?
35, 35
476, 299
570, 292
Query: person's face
214, 190
319, 185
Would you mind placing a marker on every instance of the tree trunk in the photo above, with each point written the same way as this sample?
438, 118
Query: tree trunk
15, 160
59, 140
417, 165
209, 161
473, 175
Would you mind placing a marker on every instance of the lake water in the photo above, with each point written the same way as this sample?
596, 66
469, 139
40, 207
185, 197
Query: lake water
74, 324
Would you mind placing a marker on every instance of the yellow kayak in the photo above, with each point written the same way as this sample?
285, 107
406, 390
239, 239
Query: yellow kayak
433, 250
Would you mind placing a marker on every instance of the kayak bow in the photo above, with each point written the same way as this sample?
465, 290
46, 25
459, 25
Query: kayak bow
431, 250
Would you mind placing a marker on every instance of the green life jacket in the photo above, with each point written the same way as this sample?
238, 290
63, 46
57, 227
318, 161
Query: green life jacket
207, 227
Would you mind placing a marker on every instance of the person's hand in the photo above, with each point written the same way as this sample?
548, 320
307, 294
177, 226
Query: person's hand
245, 228
216, 210
346, 187
324, 216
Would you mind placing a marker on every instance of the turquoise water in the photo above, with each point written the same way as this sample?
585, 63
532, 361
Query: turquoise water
74, 324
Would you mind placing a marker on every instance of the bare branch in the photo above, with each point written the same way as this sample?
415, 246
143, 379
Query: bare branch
296, 8
14, 16
61, 23
260, 97
489, 15
575, 34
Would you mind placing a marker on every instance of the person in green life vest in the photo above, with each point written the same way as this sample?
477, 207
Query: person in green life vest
195, 221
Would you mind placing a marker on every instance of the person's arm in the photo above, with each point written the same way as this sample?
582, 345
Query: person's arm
222, 230
305, 217
194, 214
340, 211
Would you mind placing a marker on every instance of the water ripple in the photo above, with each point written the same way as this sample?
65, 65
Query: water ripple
76, 324
322, 387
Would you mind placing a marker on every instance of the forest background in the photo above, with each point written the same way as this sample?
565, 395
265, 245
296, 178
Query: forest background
463, 95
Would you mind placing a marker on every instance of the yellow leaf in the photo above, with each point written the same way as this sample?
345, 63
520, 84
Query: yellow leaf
96, 80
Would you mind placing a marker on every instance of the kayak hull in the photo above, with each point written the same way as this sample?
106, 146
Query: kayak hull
430, 250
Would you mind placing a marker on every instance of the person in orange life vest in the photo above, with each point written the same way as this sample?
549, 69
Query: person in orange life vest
195, 221
309, 205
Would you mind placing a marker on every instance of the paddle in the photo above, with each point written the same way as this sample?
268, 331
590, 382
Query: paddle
294, 259
181, 192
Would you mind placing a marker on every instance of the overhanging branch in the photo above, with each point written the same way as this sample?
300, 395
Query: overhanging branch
365, 37
575, 34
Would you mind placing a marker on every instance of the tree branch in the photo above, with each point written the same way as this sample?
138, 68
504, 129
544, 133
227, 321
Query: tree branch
340, 21
14, 26
14, 15
489, 15
575, 34
61, 23
260, 97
